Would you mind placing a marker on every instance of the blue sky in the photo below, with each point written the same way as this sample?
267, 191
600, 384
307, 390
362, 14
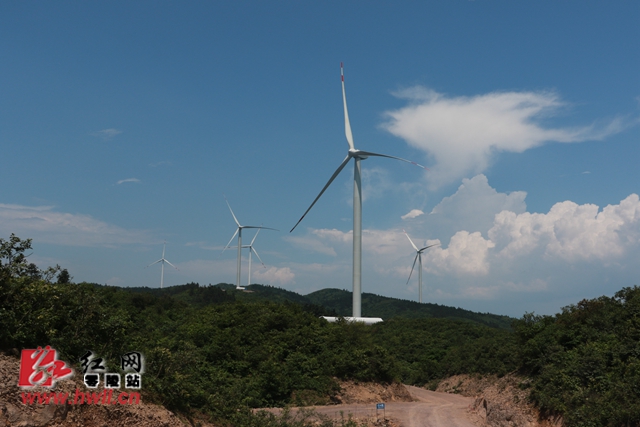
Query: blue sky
124, 124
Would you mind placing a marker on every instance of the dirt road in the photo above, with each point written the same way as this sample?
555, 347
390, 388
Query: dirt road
431, 409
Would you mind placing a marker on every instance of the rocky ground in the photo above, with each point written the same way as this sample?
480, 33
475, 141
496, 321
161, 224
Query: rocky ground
499, 402
359, 392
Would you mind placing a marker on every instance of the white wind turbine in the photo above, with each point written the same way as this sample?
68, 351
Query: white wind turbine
239, 233
357, 156
251, 249
419, 259
163, 261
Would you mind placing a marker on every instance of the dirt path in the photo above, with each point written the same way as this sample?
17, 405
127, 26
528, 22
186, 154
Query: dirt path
430, 409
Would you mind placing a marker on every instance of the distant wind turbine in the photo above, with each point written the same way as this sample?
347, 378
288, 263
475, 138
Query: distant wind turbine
419, 259
163, 261
357, 156
239, 233
252, 249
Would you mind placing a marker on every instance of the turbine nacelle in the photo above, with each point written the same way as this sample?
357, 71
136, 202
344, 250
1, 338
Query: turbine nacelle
358, 154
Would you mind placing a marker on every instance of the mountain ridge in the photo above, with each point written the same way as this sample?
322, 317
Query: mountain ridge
327, 302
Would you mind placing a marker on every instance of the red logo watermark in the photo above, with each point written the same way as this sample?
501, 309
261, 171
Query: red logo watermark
41, 367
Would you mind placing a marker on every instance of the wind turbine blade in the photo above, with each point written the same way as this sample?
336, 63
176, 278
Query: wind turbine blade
230, 240
335, 174
412, 267
256, 252
254, 237
347, 125
412, 244
232, 214
260, 227
171, 265
430, 246
160, 260
370, 154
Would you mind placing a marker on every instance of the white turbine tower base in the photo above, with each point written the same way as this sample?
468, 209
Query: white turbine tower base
163, 261
419, 259
239, 233
356, 155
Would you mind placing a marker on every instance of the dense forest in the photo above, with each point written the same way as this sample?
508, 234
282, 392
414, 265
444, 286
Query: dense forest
216, 352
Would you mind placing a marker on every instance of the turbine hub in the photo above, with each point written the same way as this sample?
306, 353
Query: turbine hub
357, 154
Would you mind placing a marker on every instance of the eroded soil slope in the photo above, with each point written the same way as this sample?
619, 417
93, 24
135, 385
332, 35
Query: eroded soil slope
498, 402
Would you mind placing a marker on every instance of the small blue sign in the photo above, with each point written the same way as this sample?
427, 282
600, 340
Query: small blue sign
379, 405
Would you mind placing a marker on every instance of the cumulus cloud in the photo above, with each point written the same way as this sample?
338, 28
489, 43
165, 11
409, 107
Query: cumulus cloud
461, 134
274, 275
44, 224
413, 213
466, 254
474, 205
570, 231
493, 250
122, 181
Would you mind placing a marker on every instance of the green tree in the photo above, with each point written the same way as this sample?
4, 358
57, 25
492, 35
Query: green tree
13, 261
64, 277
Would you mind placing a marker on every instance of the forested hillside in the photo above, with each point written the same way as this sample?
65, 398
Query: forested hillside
328, 302
585, 362
209, 351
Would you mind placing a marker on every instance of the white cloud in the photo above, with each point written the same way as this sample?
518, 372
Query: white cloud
466, 254
122, 181
309, 243
274, 275
462, 134
570, 231
43, 224
474, 205
495, 256
413, 213
107, 133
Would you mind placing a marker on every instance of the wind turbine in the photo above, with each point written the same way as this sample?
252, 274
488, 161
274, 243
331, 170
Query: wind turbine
252, 249
163, 260
419, 259
357, 156
239, 233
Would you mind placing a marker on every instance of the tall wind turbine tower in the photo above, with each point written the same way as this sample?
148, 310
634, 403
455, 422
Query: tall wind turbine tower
419, 259
357, 156
163, 261
239, 233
